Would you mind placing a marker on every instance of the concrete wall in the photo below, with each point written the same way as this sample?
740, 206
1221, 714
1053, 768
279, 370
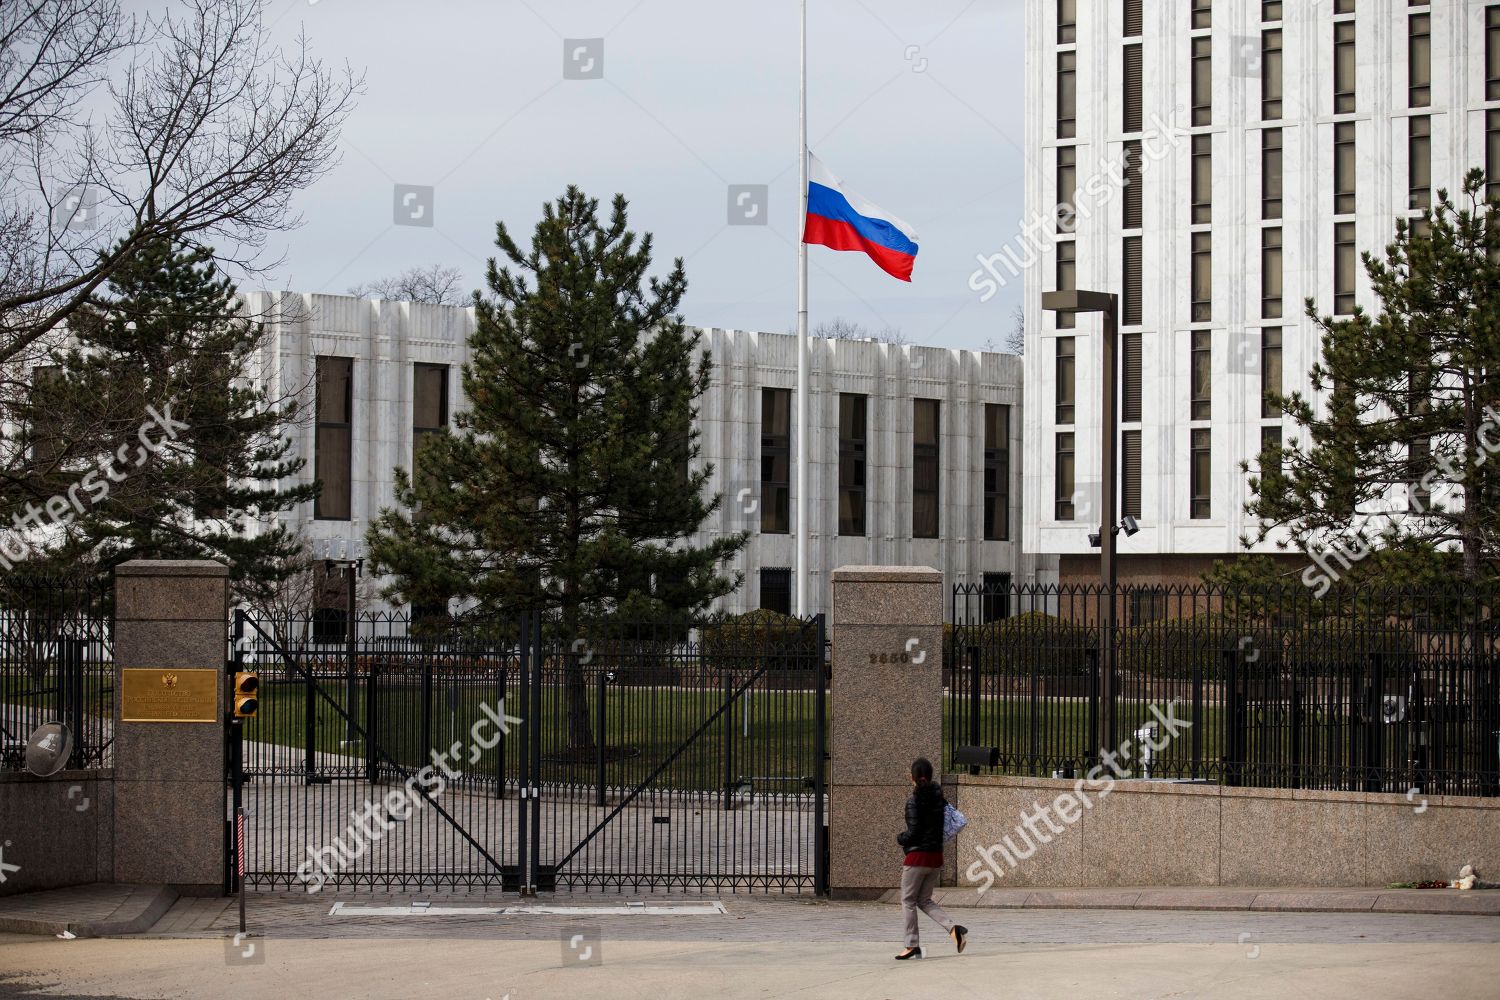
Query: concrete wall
56, 831
1144, 833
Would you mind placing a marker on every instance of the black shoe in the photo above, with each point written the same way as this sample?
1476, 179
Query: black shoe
960, 936
909, 953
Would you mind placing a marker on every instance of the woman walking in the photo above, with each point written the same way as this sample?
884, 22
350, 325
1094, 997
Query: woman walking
923, 840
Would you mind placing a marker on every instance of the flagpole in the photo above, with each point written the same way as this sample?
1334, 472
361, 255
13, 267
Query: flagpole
802, 427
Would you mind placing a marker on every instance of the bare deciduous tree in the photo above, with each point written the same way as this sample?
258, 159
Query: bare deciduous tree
437, 285
839, 328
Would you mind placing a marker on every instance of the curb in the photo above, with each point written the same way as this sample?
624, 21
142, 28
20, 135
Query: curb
1454, 902
141, 908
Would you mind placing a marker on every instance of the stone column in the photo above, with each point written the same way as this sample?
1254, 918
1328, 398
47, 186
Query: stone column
169, 776
887, 711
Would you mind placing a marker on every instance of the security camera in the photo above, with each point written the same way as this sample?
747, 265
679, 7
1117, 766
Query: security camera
1094, 539
1130, 525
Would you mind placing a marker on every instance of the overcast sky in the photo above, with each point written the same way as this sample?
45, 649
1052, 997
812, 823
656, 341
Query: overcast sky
917, 107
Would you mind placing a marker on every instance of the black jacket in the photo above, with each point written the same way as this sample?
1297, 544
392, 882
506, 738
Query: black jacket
924, 820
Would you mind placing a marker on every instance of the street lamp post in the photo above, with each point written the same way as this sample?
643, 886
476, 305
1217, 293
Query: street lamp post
1109, 429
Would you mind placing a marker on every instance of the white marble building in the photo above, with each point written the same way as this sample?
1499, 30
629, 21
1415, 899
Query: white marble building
1279, 140
387, 342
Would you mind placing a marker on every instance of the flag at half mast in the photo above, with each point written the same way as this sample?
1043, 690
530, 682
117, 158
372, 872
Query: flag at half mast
841, 220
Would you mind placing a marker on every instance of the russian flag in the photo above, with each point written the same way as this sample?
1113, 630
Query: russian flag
842, 221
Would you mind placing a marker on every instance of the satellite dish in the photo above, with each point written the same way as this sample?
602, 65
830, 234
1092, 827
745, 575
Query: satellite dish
48, 749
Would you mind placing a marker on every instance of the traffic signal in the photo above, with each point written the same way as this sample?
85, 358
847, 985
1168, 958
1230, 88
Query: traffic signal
246, 695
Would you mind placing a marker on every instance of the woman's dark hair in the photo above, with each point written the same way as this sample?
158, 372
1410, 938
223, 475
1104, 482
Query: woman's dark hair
921, 771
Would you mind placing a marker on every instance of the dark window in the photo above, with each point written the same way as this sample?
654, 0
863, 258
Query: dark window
1270, 74
1067, 187
1343, 268
1063, 481
852, 412
1343, 67
1203, 14
332, 452
1492, 53
1131, 307
1270, 10
1133, 18
1203, 179
1270, 371
996, 472
1270, 450
1130, 373
1202, 375
1130, 468
429, 404
925, 470
1203, 278
775, 461
1134, 192
1132, 114
1270, 273
1492, 155
1343, 6
1203, 84
1202, 472
1270, 173
995, 599
1344, 168
1419, 160
1067, 274
1067, 21
1065, 380
1419, 61
1067, 95
776, 590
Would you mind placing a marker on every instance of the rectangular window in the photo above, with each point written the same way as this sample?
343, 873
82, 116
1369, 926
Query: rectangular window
1203, 282
1203, 179
995, 600
1270, 75
1130, 374
1065, 381
776, 590
1343, 6
852, 412
1270, 173
1131, 308
1419, 61
1202, 14
1134, 199
1067, 95
1270, 10
1067, 187
1343, 67
333, 450
996, 472
429, 404
1419, 160
1344, 168
1132, 114
1270, 371
924, 468
1270, 273
1202, 375
1067, 274
1492, 53
1201, 464
1343, 268
1133, 18
1063, 482
1270, 451
1067, 22
1203, 84
1492, 155
1130, 470
775, 461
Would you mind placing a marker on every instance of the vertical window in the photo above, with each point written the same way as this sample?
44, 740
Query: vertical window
1201, 465
1065, 380
1203, 84
1132, 203
332, 451
924, 468
1343, 268
1418, 461
1492, 53
1419, 160
1492, 155
995, 601
429, 404
1419, 61
1270, 451
776, 590
1343, 67
775, 461
1067, 95
1203, 283
1270, 10
1130, 374
996, 472
1202, 375
1343, 168
1203, 179
1270, 173
1343, 6
1130, 468
1131, 307
1063, 482
1067, 187
1270, 273
1270, 74
1067, 274
1133, 18
852, 412
1202, 14
1270, 371
1067, 21
1132, 114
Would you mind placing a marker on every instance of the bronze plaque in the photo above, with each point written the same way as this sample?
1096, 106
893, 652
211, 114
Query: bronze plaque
169, 695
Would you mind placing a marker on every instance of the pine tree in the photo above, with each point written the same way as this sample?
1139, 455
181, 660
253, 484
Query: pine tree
154, 426
1400, 458
571, 482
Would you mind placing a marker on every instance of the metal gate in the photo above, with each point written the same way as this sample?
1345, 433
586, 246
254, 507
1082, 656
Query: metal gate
529, 755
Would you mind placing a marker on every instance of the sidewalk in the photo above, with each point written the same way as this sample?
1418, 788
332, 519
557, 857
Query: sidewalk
98, 910
1477, 902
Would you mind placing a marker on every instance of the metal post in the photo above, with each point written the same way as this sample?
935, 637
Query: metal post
803, 440
599, 682
975, 690
538, 661
728, 741
239, 853
351, 637
820, 765
1109, 495
522, 801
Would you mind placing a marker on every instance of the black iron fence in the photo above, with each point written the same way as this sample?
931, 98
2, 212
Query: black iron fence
56, 665
1365, 690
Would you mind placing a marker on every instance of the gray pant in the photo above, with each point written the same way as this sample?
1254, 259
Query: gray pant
916, 894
